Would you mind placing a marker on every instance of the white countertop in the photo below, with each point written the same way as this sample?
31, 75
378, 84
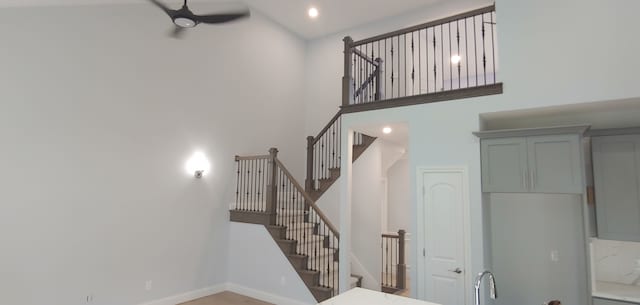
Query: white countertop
359, 296
616, 291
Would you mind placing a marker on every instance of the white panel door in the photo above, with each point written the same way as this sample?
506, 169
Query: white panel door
443, 220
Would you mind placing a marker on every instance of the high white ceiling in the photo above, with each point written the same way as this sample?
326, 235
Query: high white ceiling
335, 15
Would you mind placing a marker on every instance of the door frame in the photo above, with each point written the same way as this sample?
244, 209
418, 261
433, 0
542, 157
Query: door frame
421, 227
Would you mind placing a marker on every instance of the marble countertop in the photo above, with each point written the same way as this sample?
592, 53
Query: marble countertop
359, 296
616, 291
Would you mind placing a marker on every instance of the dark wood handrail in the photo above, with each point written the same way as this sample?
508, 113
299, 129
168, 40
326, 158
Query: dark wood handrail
308, 199
324, 130
262, 157
391, 236
486, 9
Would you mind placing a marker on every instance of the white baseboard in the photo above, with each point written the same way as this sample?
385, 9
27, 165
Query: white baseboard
189, 296
201, 293
263, 296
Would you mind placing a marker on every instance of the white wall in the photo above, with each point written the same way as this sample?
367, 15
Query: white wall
399, 196
366, 217
551, 53
99, 111
269, 273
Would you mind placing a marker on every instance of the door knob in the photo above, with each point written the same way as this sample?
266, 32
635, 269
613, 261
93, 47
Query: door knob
457, 270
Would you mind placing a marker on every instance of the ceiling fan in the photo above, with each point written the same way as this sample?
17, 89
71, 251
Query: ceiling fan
184, 18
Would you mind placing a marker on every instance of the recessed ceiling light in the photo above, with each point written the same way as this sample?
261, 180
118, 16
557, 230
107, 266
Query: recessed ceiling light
313, 12
387, 130
455, 59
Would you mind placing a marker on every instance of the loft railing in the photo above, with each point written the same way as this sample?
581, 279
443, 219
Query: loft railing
442, 56
394, 268
264, 185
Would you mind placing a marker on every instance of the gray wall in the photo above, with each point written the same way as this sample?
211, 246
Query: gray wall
399, 216
525, 229
99, 112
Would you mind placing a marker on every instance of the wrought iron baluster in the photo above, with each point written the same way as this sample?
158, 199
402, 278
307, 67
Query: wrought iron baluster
475, 48
392, 70
493, 46
484, 53
413, 66
435, 65
466, 49
450, 56
458, 43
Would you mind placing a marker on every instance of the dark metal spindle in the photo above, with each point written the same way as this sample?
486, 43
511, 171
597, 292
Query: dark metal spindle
435, 65
392, 70
493, 46
419, 62
450, 55
466, 49
475, 48
458, 44
484, 53
413, 65
442, 54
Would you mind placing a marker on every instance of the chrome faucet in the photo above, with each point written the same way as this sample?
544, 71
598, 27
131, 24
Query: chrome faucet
492, 286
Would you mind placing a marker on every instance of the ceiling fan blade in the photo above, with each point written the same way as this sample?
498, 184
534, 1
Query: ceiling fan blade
163, 7
221, 18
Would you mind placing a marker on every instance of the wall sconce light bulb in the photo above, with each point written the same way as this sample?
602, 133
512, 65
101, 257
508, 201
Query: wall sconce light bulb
198, 165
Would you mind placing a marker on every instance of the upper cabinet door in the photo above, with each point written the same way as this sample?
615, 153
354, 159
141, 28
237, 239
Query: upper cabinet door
555, 164
616, 173
504, 165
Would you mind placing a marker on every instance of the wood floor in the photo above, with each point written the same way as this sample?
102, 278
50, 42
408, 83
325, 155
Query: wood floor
226, 298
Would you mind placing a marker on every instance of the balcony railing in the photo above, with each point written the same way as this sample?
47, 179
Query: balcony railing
450, 58
394, 268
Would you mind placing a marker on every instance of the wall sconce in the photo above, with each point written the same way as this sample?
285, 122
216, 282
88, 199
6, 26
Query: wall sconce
198, 165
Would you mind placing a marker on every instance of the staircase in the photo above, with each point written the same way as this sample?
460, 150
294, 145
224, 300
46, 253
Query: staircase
267, 194
374, 78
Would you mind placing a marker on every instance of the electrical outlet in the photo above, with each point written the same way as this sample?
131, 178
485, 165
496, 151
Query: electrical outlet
555, 256
638, 265
88, 298
283, 281
148, 285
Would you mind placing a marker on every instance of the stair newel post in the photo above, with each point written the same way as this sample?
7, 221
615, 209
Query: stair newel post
309, 183
379, 79
272, 188
347, 80
401, 273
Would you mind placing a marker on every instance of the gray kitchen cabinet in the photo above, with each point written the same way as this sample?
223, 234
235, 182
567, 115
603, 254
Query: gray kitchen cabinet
555, 164
616, 172
542, 160
599, 301
504, 165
